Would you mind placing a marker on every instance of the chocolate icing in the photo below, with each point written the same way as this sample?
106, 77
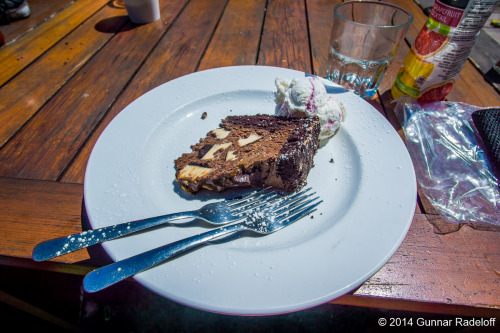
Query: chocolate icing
281, 157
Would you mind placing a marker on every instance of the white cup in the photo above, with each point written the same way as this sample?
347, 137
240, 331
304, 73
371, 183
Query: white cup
142, 11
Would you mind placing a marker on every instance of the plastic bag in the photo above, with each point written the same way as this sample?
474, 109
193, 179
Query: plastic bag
451, 168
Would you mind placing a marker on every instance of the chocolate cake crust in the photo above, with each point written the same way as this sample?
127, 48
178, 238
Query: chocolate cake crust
251, 151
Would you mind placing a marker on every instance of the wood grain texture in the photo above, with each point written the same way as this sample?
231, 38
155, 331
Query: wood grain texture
417, 306
16, 56
236, 39
34, 211
448, 269
180, 50
27, 92
471, 88
438, 268
285, 37
41, 10
424, 266
175, 55
320, 22
68, 118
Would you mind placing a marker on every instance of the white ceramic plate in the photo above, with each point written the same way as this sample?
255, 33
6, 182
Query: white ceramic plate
364, 175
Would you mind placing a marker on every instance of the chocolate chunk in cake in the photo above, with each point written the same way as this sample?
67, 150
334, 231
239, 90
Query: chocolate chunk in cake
251, 151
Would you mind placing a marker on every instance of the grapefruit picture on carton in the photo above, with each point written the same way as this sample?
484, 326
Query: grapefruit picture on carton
441, 49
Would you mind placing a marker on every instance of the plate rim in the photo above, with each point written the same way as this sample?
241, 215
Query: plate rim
295, 307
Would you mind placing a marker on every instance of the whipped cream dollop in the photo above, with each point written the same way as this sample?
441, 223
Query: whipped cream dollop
307, 97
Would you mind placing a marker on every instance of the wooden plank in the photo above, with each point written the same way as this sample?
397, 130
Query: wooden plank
460, 268
181, 49
236, 39
43, 78
34, 211
41, 10
175, 55
320, 20
417, 306
471, 88
426, 268
285, 37
16, 56
45, 146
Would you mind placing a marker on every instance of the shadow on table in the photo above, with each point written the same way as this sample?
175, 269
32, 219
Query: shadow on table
132, 308
115, 24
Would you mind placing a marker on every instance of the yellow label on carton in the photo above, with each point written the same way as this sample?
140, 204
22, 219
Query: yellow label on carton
417, 67
413, 74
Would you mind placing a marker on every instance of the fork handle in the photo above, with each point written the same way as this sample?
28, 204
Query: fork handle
58, 247
108, 275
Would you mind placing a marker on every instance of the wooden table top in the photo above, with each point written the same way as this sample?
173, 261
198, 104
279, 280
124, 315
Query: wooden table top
74, 65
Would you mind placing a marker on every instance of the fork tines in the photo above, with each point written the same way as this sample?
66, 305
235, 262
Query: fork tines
290, 205
296, 205
252, 200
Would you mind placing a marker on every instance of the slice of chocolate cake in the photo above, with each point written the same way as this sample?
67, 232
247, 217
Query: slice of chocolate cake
251, 151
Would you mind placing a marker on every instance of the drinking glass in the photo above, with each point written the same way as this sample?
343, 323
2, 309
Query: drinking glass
365, 37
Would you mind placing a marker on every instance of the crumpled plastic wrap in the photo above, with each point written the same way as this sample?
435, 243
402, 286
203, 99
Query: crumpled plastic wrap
451, 167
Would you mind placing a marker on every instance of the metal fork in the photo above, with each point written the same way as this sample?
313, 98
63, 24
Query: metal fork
218, 213
276, 215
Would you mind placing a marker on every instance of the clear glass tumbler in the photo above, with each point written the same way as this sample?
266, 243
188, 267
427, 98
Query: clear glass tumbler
365, 37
